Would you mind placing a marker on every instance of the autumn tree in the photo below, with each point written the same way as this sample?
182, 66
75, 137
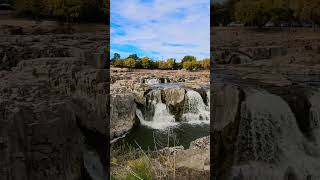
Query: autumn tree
171, 63
130, 63
252, 12
205, 63
145, 62
191, 65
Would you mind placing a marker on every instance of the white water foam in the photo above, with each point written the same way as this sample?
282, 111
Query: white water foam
152, 81
195, 110
162, 119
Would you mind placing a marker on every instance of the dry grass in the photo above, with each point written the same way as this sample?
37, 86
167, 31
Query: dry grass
130, 163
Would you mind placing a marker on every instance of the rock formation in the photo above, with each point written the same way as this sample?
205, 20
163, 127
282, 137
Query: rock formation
54, 106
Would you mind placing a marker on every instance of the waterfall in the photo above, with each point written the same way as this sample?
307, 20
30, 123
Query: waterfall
158, 115
152, 81
195, 110
271, 141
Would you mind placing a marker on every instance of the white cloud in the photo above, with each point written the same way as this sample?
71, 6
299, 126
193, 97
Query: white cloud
154, 25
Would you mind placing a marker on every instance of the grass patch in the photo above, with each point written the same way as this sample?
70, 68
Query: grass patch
130, 163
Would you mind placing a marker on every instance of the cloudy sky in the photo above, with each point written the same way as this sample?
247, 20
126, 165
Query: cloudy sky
160, 28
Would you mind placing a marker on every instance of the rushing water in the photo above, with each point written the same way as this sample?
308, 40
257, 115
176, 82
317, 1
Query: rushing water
195, 110
160, 128
152, 81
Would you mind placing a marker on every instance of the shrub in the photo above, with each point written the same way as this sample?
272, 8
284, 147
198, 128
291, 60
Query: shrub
188, 58
205, 63
118, 62
129, 63
191, 65
145, 63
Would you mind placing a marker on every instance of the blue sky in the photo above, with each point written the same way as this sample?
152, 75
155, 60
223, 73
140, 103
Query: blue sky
160, 28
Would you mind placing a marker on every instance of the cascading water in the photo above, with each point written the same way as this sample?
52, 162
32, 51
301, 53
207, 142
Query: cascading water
152, 81
160, 118
158, 115
271, 141
195, 110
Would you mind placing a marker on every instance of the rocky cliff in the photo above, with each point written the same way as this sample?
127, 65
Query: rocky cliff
54, 106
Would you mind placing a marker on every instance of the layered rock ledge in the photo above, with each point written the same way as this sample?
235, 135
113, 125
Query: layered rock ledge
54, 106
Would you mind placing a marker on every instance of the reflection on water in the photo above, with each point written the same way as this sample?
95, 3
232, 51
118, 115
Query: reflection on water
181, 134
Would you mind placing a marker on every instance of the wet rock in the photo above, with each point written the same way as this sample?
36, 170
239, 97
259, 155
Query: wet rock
174, 99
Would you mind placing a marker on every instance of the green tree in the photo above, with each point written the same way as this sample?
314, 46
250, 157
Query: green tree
188, 58
134, 57
154, 65
116, 56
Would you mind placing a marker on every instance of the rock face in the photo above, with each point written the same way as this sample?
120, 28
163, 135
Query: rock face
122, 114
194, 162
53, 99
40, 142
264, 140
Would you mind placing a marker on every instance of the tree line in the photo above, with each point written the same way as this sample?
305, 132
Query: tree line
259, 12
133, 61
64, 10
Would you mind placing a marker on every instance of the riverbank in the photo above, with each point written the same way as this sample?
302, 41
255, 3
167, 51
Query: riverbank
167, 163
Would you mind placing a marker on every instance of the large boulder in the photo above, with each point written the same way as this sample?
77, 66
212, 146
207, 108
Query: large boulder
122, 114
